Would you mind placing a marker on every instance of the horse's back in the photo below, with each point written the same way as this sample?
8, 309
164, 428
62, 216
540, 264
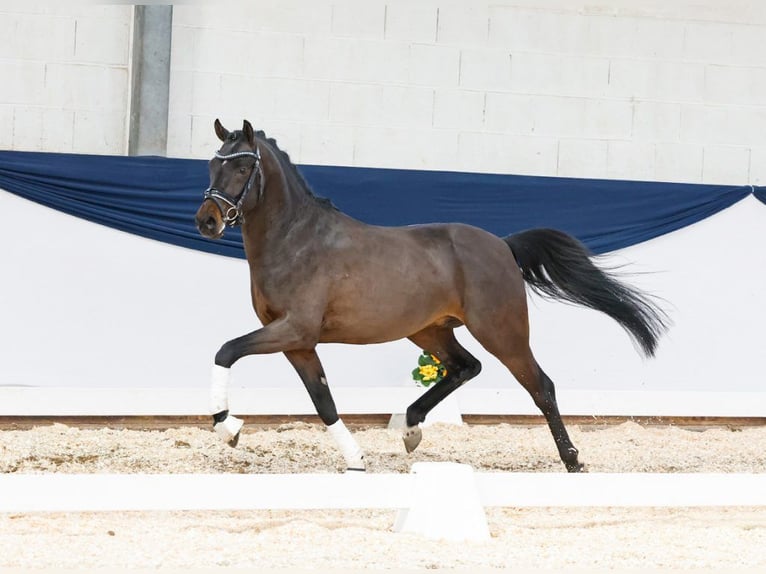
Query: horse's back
395, 281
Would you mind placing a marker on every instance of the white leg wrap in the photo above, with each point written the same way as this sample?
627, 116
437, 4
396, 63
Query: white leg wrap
219, 389
228, 428
348, 446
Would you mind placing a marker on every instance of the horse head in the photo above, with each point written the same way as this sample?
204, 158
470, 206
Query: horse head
235, 170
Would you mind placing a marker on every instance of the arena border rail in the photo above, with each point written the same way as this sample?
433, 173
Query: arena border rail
164, 492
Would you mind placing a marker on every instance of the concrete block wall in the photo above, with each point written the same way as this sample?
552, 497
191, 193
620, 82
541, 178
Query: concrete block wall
634, 89
64, 77
627, 89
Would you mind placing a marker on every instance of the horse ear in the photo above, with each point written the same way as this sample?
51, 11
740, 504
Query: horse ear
220, 131
247, 129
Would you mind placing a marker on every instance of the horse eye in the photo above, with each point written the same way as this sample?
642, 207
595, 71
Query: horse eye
242, 170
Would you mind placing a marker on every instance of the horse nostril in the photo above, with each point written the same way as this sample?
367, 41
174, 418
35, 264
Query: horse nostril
210, 224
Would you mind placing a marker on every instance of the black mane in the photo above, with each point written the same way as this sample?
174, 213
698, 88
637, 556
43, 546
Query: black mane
290, 167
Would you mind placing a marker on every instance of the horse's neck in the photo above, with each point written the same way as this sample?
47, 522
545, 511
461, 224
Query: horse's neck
280, 222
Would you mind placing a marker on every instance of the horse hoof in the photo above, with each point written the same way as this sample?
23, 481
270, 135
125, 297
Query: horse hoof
229, 429
412, 437
577, 467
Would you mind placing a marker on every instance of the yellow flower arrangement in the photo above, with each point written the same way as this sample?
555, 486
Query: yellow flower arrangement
429, 370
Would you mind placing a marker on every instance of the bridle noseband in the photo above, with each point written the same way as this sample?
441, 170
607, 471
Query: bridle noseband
232, 215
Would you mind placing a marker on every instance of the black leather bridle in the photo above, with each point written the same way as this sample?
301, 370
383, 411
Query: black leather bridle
231, 208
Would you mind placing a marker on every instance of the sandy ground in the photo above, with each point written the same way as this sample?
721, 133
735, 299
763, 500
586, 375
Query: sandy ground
520, 538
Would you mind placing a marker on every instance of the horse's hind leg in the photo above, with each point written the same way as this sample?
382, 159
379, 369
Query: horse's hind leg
310, 370
505, 334
540, 387
461, 366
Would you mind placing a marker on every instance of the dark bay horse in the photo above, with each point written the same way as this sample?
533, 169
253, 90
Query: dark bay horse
319, 276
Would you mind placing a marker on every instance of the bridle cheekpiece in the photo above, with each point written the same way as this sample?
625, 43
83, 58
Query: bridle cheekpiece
232, 214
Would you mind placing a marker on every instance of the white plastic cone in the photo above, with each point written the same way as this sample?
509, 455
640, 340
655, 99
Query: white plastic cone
446, 504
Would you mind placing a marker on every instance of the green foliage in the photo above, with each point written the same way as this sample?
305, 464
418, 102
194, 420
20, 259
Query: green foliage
429, 370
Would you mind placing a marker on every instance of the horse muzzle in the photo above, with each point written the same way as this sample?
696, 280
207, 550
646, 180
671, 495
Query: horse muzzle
209, 221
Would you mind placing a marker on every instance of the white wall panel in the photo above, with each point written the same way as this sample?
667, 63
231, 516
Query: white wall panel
102, 309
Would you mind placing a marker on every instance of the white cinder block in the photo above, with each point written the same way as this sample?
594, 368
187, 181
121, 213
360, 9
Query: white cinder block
582, 158
179, 135
434, 65
28, 128
223, 51
561, 116
410, 22
459, 109
206, 93
651, 79
406, 106
502, 153
356, 60
285, 16
85, 87
102, 41
533, 30
630, 160
243, 97
656, 121
180, 91
758, 166
627, 37
275, 56
724, 125
556, 74
709, 41
610, 119
99, 132
40, 37
747, 47
464, 24
728, 165
58, 130
359, 20
678, 162
557, 116
300, 99
705, 124
182, 57
10, 47
200, 15
485, 69
6, 123
23, 83
327, 144
355, 104
735, 85
405, 148
293, 17
510, 113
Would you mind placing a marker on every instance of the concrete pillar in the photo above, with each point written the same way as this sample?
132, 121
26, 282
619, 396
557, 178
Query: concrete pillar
150, 80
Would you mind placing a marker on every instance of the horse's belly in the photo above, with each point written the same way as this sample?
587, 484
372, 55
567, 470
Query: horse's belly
381, 327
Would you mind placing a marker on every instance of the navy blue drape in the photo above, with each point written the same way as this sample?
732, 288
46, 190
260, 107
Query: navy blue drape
157, 197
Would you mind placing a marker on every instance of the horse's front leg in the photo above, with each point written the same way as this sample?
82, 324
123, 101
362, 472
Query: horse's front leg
308, 366
279, 336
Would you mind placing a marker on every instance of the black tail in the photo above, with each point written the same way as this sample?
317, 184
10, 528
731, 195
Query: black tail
557, 265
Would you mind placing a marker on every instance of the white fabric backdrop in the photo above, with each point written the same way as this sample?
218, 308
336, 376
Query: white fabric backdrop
87, 307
